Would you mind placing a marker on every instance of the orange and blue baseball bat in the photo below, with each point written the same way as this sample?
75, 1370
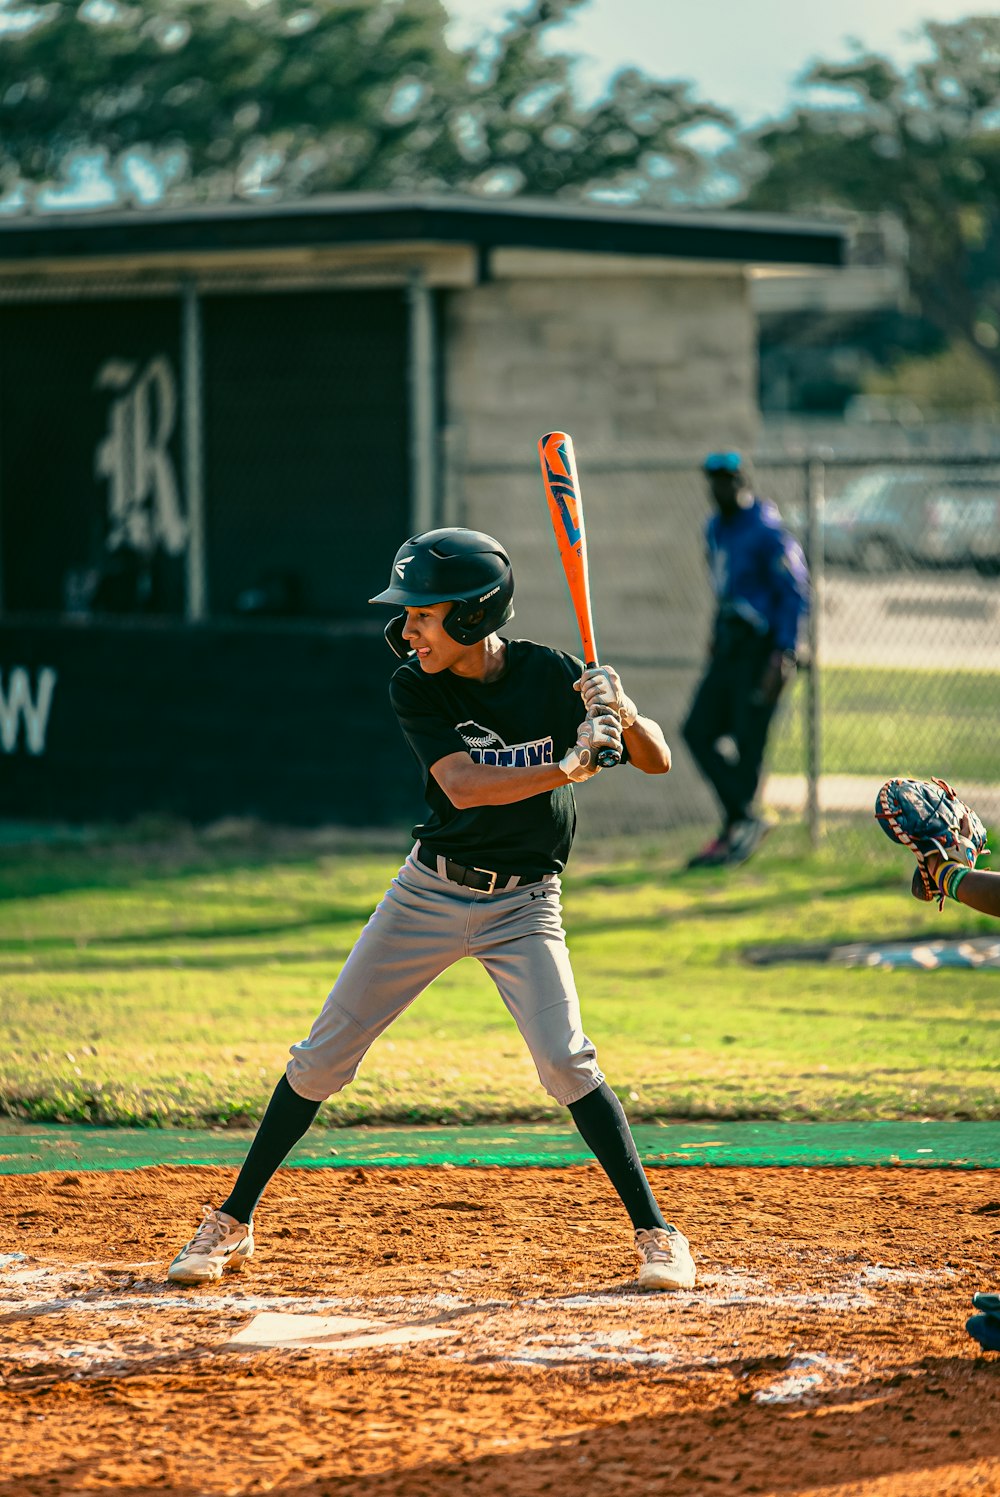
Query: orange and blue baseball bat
562, 490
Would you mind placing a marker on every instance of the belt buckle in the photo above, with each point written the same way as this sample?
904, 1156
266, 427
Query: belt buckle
492, 877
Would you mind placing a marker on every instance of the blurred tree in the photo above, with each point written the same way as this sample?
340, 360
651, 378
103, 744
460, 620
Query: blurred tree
213, 98
520, 129
188, 100
955, 381
925, 145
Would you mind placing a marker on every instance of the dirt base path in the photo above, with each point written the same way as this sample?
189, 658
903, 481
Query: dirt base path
439, 1331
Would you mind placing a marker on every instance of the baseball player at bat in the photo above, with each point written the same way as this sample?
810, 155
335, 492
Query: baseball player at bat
495, 727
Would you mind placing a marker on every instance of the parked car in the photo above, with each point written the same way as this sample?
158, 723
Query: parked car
893, 518
966, 527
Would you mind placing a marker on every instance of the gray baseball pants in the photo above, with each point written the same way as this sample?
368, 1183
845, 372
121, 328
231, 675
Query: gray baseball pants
423, 925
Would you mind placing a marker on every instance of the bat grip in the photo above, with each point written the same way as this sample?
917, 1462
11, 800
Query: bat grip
607, 758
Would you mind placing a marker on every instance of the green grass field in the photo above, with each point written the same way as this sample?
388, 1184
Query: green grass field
921, 722
160, 981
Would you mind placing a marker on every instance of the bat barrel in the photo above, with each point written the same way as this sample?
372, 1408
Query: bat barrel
562, 491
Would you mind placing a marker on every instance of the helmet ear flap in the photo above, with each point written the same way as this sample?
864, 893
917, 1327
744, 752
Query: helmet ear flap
468, 625
467, 568
393, 633
464, 623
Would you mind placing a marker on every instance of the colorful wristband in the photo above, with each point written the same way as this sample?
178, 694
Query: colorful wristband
950, 875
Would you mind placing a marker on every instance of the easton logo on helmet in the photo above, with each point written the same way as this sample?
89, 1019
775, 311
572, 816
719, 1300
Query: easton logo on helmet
466, 568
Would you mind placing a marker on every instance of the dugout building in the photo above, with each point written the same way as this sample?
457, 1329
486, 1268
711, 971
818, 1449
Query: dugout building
217, 426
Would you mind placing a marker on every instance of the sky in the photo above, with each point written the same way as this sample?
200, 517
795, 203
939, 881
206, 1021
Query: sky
743, 55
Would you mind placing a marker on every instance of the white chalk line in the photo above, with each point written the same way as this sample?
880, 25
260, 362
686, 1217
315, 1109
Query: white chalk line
527, 1332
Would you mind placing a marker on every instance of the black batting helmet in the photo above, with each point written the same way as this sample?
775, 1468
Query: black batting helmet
465, 567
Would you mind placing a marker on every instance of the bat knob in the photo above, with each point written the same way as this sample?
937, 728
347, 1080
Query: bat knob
607, 758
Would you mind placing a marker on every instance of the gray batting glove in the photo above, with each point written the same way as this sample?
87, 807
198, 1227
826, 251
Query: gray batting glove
594, 734
601, 689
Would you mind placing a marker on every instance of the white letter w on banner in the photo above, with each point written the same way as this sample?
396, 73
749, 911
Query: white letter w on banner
16, 703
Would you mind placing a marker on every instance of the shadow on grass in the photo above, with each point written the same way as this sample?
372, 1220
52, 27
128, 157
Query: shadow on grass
825, 875
713, 884
38, 871
240, 961
236, 930
727, 909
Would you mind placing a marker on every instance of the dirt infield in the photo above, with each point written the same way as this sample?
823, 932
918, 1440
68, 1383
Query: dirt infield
481, 1329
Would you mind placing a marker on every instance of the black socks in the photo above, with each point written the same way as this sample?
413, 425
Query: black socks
599, 1116
287, 1118
604, 1128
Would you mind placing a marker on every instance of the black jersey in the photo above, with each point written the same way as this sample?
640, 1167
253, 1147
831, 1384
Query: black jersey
527, 715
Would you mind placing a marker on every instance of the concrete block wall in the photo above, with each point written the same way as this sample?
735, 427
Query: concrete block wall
644, 372
665, 361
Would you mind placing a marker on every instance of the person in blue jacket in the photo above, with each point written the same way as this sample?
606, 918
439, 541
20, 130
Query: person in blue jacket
762, 589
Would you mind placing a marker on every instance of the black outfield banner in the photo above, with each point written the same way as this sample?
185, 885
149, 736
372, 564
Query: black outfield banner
299, 405
92, 514
112, 720
306, 449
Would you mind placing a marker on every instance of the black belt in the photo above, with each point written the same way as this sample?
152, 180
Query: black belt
485, 879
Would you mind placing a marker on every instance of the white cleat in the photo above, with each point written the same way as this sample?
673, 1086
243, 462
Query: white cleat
666, 1259
220, 1243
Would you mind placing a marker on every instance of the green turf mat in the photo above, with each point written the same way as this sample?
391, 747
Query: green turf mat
27, 1149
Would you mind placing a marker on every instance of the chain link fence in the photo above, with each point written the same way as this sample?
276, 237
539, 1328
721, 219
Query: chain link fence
903, 664
900, 657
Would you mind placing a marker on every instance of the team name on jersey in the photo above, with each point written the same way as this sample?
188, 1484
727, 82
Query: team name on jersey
487, 747
516, 755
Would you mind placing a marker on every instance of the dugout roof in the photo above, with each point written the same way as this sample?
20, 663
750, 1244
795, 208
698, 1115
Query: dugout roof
234, 234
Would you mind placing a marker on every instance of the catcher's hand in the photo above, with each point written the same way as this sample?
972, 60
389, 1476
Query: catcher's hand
601, 731
935, 824
601, 689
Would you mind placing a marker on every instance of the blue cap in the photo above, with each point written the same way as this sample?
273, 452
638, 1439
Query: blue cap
723, 462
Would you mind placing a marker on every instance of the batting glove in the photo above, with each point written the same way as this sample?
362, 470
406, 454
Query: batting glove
594, 734
601, 689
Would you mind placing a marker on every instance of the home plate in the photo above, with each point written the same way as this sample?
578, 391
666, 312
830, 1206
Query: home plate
329, 1332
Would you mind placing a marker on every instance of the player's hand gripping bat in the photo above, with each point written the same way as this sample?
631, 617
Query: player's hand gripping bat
562, 490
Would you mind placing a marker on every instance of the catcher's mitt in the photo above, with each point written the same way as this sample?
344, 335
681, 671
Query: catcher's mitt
927, 816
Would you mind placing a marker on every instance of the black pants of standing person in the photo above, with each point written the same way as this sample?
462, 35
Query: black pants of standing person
729, 704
